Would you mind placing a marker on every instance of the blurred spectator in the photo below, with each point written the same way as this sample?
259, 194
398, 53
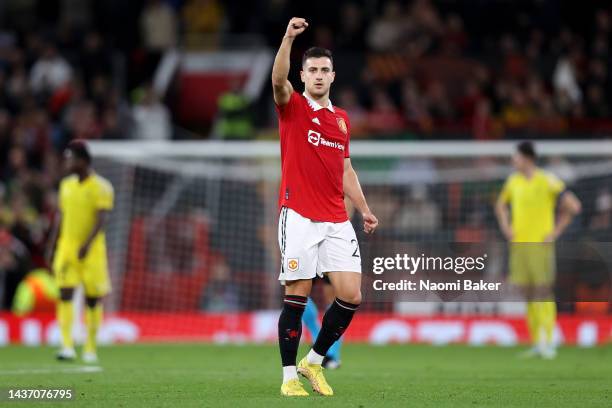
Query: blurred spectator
235, 120
13, 266
117, 118
158, 26
23, 220
547, 120
324, 37
565, 82
603, 22
438, 101
595, 104
384, 116
76, 12
36, 293
5, 141
82, 121
17, 86
425, 17
386, 30
484, 126
418, 213
202, 20
387, 204
16, 170
50, 71
515, 62
517, 114
391, 42
455, 39
470, 99
95, 59
349, 101
151, 117
415, 111
602, 220
352, 30
221, 294
111, 125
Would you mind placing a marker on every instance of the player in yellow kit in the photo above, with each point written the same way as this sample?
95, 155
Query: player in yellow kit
85, 198
533, 194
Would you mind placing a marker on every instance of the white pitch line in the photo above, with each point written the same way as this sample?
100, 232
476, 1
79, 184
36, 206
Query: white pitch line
66, 370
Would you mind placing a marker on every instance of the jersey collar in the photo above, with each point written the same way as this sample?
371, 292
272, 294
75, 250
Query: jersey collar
86, 179
315, 106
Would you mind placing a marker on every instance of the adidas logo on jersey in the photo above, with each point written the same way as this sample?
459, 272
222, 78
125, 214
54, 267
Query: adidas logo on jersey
316, 120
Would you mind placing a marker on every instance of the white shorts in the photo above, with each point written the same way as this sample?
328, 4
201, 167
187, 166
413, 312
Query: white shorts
312, 248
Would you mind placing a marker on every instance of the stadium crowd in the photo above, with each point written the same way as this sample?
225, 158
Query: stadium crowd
485, 70
81, 69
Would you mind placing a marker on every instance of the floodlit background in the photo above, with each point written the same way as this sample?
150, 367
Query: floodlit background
437, 93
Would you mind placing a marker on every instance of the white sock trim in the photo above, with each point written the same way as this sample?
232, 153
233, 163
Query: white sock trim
346, 307
289, 373
313, 358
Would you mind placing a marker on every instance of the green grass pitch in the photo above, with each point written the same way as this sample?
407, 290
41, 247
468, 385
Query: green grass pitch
198, 375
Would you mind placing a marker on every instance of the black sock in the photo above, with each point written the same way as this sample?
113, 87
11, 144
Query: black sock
336, 320
290, 328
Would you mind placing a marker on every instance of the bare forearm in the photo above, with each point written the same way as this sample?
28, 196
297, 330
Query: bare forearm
52, 241
98, 227
503, 215
92, 235
352, 189
280, 69
570, 206
564, 220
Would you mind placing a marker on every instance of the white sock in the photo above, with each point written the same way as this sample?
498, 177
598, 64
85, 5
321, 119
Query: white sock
289, 373
542, 343
314, 358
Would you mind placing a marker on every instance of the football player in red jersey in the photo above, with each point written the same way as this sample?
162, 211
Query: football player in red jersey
315, 236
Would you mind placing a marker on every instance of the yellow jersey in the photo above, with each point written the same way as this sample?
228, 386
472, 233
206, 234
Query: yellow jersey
79, 203
532, 203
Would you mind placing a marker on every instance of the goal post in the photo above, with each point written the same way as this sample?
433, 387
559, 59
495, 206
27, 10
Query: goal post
194, 228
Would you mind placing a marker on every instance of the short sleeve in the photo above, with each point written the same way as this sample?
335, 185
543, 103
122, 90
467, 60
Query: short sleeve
555, 184
105, 196
347, 152
506, 193
285, 111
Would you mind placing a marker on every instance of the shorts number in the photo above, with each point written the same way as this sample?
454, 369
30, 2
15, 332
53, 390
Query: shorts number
356, 252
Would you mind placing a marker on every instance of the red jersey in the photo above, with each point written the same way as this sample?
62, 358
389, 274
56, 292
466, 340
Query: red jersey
314, 143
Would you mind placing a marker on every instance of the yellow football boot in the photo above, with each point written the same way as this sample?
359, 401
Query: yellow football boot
314, 374
293, 388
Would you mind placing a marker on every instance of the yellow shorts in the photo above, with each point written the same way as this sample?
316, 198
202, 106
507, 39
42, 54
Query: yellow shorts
532, 264
91, 272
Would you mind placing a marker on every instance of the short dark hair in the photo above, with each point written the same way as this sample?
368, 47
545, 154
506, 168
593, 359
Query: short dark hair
317, 52
527, 149
79, 149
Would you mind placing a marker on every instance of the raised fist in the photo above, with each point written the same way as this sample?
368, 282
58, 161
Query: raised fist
296, 27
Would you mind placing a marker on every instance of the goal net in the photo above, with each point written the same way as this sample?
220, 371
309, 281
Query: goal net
194, 229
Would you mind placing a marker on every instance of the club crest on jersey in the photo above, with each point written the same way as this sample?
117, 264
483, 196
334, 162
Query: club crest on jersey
293, 264
342, 125
314, 137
